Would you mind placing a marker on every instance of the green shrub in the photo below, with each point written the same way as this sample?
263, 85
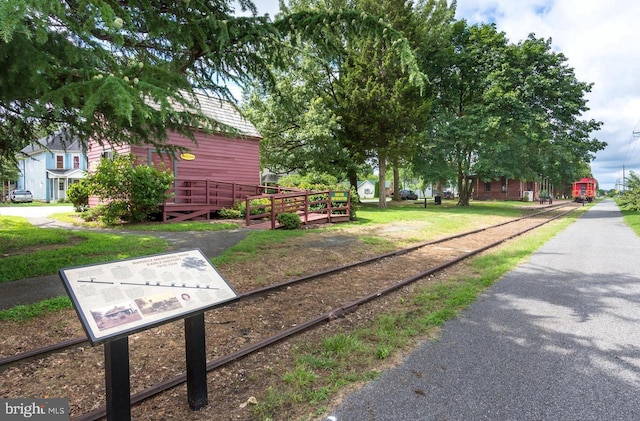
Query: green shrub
132, 192
93, 214
310, 181
242, 207
78, 194
289, 221
230, 213
354, 198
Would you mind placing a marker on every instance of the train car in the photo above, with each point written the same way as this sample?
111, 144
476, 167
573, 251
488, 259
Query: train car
584, 190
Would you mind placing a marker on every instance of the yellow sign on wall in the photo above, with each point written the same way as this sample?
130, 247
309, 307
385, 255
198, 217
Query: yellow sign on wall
188, 156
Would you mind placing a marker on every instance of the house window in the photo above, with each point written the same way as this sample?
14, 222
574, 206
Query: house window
76, 162
59, 162
107, 154
487, 186
61, 185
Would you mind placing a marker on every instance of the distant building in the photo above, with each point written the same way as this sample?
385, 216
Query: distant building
49, 166
504, 188
366, 189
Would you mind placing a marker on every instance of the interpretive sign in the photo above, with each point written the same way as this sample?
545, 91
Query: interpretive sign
339, 196
118, 298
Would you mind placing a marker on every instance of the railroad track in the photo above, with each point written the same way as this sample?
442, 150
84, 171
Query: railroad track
320, 297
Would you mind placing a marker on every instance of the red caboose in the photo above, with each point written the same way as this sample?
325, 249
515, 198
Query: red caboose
584, 190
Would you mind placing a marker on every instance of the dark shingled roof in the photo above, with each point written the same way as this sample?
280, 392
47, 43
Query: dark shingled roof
55, 142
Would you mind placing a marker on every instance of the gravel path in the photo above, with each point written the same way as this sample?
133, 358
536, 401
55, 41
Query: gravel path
557, 339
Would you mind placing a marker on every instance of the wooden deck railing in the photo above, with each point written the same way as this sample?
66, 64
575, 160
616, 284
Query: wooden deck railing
309, 205
198, 198
193, 198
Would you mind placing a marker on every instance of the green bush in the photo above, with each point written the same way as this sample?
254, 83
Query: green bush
230, 213
354, 198
289, 221
132, 192
310, 181
78, 194
242, 207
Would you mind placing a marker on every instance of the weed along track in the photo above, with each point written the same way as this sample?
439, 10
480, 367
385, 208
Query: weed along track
260, 319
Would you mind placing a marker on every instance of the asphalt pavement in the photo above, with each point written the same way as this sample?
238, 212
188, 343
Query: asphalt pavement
558, 338
29, 291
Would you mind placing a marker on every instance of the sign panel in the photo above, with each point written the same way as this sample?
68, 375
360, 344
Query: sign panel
339, 196
118, 298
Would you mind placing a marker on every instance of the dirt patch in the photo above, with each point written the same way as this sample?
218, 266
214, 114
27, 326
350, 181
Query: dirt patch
158, 354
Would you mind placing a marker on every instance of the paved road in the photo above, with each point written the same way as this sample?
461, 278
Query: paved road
556, 339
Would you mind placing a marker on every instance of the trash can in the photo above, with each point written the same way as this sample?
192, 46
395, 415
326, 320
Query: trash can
437, 200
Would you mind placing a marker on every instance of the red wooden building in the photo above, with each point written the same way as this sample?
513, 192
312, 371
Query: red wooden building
505, 188
218, 171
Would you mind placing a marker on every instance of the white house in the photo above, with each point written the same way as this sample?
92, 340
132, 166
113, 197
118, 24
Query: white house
50, 165
366, 189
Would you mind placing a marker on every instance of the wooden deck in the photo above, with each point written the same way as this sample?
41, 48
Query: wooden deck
198, 199
313, 207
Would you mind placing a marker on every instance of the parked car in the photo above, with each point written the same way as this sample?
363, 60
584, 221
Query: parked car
20, 196
408, 195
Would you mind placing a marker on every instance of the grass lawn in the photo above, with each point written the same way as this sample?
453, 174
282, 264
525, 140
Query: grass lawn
28, 251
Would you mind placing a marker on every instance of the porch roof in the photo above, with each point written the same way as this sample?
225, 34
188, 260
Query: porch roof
55, 173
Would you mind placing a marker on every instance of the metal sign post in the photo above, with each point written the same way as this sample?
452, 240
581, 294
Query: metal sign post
117, 299
116, 374
195, 348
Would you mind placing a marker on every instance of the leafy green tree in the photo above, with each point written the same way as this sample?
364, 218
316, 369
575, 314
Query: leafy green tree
354, 105
8, 173
506, 110
297, 121
540, 120
630, 199
119, 71
311, 181
132, 192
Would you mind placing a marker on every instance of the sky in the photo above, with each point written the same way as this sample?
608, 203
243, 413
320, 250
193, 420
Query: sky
601, 40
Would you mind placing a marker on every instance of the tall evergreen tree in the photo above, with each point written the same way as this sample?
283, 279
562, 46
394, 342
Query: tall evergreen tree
125, 71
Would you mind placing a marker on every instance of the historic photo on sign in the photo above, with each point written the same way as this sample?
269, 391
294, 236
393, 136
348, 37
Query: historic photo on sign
117, 298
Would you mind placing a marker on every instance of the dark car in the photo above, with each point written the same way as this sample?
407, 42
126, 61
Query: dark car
21, 196
408, 195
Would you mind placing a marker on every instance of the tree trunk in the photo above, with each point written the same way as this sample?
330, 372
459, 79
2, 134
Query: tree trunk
382, 180
465, 187
353, 182
396, 180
